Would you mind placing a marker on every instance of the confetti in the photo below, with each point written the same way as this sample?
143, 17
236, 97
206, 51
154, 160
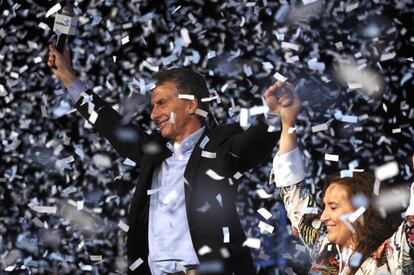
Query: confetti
386, 171
206, 154
201, 112
184, 96
264, 213
280, 77
226, 235
123, 226
290, 46
204, 250
53, 10
136, 264
125, 40
319, 127
252, 243
129, 162
264, 227
331, 157
212, 174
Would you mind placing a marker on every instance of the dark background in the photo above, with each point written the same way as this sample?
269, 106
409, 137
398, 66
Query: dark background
242, 35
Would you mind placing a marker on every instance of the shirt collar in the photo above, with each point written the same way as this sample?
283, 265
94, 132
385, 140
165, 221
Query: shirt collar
188, 144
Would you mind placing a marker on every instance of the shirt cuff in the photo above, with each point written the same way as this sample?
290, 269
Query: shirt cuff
410, 209
288, 168
75, 89
272, 120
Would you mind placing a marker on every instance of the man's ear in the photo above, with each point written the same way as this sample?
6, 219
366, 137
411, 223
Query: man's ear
192, 106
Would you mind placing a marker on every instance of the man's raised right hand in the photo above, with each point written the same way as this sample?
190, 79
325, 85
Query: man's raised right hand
60, 64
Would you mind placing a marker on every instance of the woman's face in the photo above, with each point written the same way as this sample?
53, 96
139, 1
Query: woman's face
337, 203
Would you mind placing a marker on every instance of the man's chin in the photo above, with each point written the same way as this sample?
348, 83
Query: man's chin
165, 134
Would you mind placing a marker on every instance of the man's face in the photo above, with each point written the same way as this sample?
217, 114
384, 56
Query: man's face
172, 115
337, 203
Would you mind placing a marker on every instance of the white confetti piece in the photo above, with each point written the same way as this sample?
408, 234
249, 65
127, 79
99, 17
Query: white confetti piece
386, 171
93, 117
185, 36
291, 130
319, 127
264, 213
96, 258
354, 216
262, 194
204, 208
264, 227
287, 45
38, 222
396, 130
211, 54
136, 264
331, 157
280, 77
226, 235
43, 209
125, 40
377, 186
209, 155
208, 99
53, 10
355, 85
204, 250
172, 118
204, 142
258, 110
346, 173
44, 26
123, 226
129, 162
352, 7
311, 210
224, 253
185, 96
237, 175
152, 191
219, 199
79, 205
244, 118
387, 56
355, 259
212, 174
252, 243
349, 119
201, 112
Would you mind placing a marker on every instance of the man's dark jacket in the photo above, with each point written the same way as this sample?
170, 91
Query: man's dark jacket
210, 202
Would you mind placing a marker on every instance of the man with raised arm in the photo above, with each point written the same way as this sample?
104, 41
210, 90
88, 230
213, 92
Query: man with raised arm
189, 218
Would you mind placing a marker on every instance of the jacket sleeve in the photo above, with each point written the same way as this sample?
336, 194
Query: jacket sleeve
250, 147
127, 139
301, 208
400, 246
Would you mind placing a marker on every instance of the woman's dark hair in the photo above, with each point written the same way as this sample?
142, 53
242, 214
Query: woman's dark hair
188, 82
375, 228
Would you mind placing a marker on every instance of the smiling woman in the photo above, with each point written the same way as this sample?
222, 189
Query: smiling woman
350, 236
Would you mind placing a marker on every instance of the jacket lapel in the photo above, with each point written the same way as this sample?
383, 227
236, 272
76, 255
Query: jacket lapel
191, 169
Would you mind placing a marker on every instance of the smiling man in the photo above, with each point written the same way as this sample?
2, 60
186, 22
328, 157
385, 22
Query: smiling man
182, 218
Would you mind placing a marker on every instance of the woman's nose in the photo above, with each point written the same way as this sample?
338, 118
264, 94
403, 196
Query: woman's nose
324, 216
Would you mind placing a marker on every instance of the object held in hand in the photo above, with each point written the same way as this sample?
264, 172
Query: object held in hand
65, 24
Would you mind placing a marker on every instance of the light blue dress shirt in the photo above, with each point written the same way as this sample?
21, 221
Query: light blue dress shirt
169, 239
